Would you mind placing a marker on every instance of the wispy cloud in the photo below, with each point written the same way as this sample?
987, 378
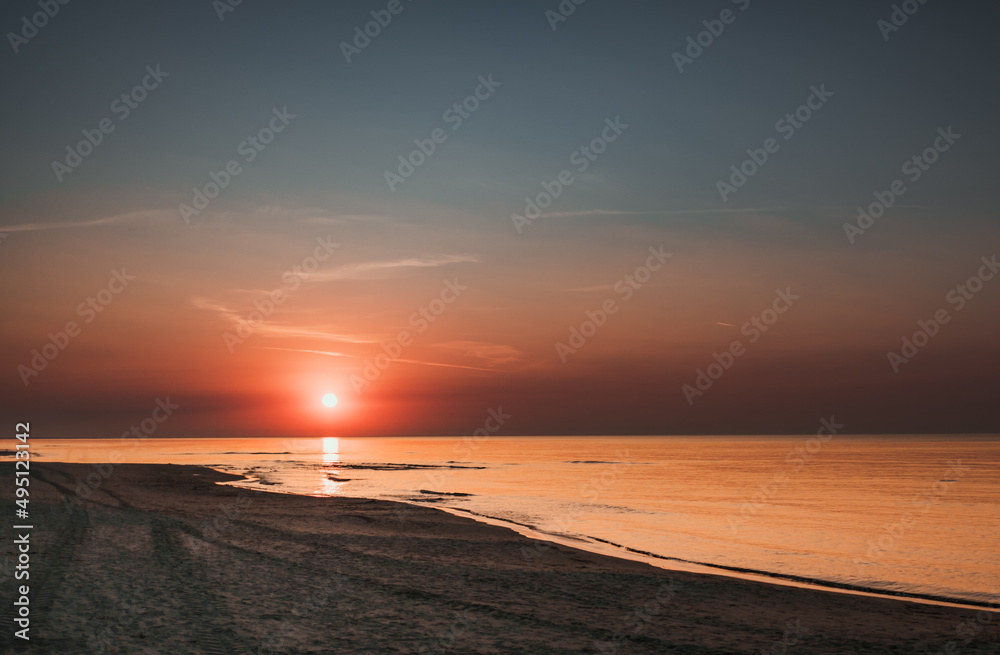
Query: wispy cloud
311, 333
209, 305
234, 317
592, 212
312, 215
724, 210
403, 361
414, 361
306, 215
672, 212
107, 220
306, 350
381, 269
492, 354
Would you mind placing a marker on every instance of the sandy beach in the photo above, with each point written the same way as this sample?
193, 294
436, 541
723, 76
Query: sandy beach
160, 559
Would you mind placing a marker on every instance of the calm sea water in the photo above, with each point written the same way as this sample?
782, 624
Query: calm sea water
916, 514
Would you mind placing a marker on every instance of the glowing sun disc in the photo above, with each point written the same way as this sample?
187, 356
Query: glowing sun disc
329, 400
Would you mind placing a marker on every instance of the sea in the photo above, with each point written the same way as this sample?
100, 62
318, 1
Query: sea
916, 516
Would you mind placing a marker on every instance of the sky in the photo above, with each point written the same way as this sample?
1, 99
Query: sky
604, 218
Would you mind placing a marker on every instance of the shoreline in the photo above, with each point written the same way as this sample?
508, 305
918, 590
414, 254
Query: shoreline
705, 568
593, 544
160, 558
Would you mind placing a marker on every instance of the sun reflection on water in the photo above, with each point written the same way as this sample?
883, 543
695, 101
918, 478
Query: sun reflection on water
330, 458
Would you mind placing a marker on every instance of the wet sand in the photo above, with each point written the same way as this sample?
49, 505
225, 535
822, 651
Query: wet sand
160, 559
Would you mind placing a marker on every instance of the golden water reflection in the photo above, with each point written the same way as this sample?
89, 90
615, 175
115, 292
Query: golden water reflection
330, 458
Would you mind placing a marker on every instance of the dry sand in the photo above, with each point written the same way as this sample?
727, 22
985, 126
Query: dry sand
161, 560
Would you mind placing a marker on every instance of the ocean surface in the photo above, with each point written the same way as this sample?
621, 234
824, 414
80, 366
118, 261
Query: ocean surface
902, 514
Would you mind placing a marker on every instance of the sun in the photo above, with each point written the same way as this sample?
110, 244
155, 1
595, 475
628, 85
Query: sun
329, 400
